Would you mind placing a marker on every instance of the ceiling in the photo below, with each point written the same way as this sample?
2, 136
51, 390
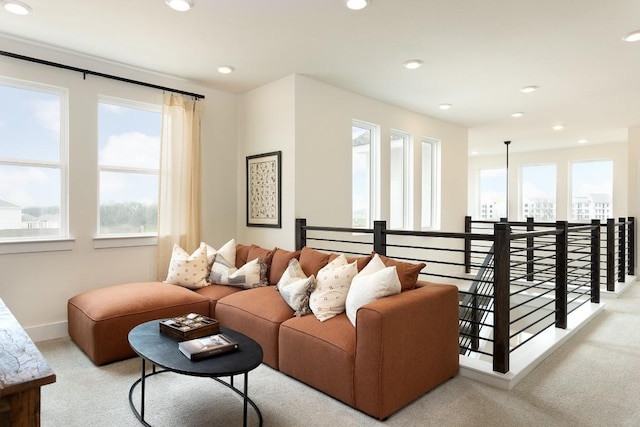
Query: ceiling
477, 55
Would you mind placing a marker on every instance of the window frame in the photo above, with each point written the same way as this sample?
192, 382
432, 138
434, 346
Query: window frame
62, 241
407, 171
571, 183
521, 194
435, 177
374, 171
106, 240
479, 192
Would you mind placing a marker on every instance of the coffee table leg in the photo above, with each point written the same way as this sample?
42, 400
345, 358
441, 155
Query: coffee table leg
246, 398
143, 376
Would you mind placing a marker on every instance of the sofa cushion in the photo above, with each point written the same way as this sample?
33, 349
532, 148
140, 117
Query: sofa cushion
214, 293
407, 272
320, 354
258, 314
312, 260
295, 288
279, 263
375, 281
187, 270
242, 252
332, 286
99, 320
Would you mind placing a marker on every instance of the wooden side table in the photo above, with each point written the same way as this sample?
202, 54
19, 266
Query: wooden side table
23, 370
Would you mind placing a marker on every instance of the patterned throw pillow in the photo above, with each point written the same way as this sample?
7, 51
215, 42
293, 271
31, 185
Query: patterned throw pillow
228, 251
295, 288
332, 286
375, 281
187, 270
251, 275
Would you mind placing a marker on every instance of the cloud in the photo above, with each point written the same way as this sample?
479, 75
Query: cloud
48, 114
131, 149
17, 186
531, 191
116, 109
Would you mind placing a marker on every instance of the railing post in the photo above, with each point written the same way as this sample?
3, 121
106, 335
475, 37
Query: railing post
467, 244
631, 232
380, 237
595, 261
562, 241
611, 255
530, 252
301, 233
501, 285
622, 235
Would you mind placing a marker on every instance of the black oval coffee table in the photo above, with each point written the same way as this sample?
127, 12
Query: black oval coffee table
162, 351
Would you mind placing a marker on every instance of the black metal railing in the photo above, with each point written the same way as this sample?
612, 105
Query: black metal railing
515, 279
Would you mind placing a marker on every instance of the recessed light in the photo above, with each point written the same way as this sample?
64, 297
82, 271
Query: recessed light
516, 115
632, 37
582, 141
529, 89
444, 106
557, 127
17, 7
412, 64
180, 5
226, 69
357, 4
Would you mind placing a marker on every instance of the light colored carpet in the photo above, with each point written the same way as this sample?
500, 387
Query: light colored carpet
592, 380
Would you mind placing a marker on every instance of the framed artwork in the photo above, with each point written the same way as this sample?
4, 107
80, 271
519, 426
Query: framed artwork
264, 190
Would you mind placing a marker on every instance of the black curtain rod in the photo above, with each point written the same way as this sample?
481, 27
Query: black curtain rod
95, 73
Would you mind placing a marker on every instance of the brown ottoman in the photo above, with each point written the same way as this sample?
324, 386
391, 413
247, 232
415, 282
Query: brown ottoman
100, 320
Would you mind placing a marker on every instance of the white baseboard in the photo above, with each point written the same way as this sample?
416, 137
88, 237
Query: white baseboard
47, 332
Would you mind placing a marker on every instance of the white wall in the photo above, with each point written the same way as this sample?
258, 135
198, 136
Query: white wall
36, 286
562, 158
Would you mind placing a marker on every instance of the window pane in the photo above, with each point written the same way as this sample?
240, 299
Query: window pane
29, 125
428, 159
397, 180
361, 176
128, 137
128, 203
539, 192
493, 194
129, 158
29, 201
592, 190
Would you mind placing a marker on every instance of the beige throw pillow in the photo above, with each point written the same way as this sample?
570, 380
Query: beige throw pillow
295, 288
187, 270
228, 251
332, 286
375, 281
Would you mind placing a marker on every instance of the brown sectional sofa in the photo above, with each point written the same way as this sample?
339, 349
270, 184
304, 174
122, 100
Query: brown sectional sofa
402, 346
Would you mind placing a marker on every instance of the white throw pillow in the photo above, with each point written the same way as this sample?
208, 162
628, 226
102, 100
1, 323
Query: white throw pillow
187, 270
375, 281
228, 251
251, 275
332, 286
295, 288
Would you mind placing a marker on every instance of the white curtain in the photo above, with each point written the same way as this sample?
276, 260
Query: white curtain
179, 195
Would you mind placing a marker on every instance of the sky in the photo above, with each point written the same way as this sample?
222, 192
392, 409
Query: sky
30, 123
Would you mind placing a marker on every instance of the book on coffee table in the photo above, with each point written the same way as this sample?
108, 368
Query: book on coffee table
189, 326
201, 348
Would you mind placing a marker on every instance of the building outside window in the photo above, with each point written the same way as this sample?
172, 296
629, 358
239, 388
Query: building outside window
33, 161
129, 161
592, 190
538, 192
399, 185
364, 143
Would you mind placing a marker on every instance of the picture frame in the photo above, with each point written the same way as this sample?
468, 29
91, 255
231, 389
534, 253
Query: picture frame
264, 190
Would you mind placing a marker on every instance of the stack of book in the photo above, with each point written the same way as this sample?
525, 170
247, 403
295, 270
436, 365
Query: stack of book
201, 348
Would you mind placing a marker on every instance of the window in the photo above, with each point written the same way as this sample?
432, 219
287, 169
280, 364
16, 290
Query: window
33, 162
430, 183
129, 161
592, 190
538, 192
399, 180
492, 194
364, 137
